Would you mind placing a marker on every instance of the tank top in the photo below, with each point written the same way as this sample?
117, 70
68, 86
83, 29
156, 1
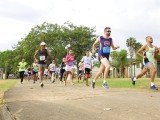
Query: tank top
42, 56
104, 47
150, 55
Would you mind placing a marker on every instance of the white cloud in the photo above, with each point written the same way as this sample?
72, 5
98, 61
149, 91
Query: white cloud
127, 18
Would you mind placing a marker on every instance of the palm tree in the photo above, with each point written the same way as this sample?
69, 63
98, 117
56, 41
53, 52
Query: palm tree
131, 44
120, 61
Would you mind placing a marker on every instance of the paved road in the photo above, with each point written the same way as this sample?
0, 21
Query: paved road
55, 102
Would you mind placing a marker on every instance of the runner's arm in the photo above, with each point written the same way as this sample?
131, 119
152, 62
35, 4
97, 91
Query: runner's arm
156, 52
35, 55
113, 47
48, 55
139, 52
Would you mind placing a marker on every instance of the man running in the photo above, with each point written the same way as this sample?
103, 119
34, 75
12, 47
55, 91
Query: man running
87, 66
22, 67
105, 43
149, 60
43, 57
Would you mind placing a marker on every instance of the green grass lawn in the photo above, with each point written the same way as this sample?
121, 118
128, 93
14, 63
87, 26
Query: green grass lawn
142, 83
4, 86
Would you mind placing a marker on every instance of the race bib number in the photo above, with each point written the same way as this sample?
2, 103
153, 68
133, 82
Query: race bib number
42, 58
70, 63
106, 49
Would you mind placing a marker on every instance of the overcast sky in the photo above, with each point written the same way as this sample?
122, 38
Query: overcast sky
127, 18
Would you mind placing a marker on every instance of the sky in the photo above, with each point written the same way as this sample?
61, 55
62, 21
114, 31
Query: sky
127, 18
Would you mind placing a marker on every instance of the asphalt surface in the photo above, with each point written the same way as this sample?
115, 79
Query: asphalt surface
55, 101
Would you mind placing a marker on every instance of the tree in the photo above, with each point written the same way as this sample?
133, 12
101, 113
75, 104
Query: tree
131, 42
8, 61
120, 61
57, 37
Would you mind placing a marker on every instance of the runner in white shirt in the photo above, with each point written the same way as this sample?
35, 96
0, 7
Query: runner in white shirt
80, 70
87, 66
52, 68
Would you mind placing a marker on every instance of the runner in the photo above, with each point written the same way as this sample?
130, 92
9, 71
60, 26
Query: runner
150, 52
25, 74
69, 66
43, 57
45, 74
52, 68
105, 43
35, 71
22, 68
80, 70
87, 66
29, 72
62, 69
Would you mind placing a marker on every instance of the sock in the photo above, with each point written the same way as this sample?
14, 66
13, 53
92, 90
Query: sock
134, 79
152, 83
93, 80
104, 81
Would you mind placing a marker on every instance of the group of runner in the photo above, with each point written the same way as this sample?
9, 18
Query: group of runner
148, 52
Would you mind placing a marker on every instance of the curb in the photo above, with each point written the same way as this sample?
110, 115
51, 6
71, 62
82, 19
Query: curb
5, 114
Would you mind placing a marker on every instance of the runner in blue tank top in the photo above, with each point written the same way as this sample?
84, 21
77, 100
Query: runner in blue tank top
104, 47
105, 44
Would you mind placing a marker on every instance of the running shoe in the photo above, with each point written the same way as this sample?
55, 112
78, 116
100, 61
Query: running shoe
153, 87
133, 82
105, 85
93, 84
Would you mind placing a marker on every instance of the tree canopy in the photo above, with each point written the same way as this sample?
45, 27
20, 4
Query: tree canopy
56, 37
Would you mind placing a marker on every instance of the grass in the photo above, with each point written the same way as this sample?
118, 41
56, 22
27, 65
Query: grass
142, 83
4, 86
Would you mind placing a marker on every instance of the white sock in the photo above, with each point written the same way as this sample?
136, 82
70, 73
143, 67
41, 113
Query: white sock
152, 83
134, 79
104, 81
93, 80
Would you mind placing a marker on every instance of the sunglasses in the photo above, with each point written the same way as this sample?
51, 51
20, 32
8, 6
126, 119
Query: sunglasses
108, 31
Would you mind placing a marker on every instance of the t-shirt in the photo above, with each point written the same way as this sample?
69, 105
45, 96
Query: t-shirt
52, 67
22, 66
70, 60
87, 62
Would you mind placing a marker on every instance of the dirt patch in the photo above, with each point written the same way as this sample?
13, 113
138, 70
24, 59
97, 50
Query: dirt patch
30, 102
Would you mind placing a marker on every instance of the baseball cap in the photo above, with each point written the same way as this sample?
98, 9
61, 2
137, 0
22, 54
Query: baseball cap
43, 43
